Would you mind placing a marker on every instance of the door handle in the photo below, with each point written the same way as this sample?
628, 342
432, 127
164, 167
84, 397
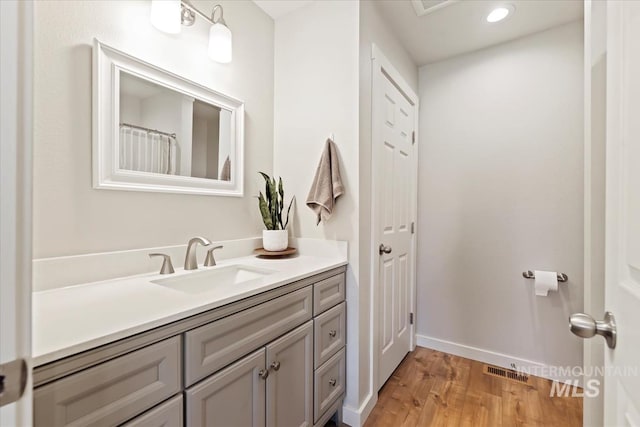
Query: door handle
13, 381
585, 326
384, 249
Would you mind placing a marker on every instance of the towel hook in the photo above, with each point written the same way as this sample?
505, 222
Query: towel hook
332, 137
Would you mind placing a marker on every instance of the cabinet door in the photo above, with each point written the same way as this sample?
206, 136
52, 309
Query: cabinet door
290, 381
234, 397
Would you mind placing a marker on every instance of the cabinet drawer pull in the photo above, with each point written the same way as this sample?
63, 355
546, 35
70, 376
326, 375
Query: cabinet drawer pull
263, 373
275, 366
333, 333
332, 382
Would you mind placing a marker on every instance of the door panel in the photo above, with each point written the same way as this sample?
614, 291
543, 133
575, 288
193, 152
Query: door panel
403, 300
394, 210
16, 81
387, 296
387, 172
622, 282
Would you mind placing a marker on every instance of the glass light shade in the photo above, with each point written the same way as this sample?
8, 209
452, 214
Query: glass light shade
165, 15
220, 43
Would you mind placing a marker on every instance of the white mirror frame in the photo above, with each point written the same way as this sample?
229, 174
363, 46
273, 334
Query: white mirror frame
107, 64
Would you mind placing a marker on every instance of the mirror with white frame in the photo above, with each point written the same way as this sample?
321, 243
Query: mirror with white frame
156, 131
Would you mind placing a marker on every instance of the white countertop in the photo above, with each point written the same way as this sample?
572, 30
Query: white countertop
72, 319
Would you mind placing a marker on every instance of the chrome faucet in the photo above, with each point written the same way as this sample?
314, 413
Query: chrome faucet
191, 261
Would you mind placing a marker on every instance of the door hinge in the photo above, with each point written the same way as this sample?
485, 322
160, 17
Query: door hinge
413, 227
413, 137
411, 318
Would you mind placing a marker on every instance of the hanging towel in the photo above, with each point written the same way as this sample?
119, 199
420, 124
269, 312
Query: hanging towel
225, 174
327, 184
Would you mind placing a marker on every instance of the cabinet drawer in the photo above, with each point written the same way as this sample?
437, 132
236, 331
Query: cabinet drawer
113, 392
328, 385
213, 346
329, 333
169, 414
327, 293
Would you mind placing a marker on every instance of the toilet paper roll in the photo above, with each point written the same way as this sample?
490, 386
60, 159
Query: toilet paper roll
545, 281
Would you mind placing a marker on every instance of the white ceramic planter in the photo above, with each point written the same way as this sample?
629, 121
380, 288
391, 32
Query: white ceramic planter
275, 240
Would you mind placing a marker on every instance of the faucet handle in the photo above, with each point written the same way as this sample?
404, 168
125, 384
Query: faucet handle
210, 261
167, 266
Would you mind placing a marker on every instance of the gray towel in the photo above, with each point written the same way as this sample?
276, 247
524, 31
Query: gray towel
225, 174
327, 184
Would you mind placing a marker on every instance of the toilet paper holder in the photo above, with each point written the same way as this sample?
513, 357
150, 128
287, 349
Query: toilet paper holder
529, 275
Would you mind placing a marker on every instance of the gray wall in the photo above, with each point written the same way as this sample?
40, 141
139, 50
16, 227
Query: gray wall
500, 192
316, 93
70, 217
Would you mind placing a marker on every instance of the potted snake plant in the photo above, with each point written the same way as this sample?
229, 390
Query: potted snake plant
275, 237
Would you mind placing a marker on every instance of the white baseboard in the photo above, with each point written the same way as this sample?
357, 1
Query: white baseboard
497, 359
356, 417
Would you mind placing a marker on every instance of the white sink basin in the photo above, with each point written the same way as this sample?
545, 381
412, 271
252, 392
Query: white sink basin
214, 278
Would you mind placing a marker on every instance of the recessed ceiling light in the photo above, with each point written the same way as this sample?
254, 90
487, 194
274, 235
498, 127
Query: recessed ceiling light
499, 13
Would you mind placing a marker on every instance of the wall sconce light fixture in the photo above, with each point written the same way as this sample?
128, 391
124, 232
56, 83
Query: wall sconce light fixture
169, 15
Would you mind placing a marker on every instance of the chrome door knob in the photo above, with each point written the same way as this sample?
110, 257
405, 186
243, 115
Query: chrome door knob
384, 249
585, 326
275, 366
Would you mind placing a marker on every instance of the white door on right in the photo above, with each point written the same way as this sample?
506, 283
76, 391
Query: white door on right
395, 197
622, 282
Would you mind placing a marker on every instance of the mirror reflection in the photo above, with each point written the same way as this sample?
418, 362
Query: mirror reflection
163, 131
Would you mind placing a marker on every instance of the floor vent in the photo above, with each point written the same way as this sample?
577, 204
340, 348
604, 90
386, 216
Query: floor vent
506, 374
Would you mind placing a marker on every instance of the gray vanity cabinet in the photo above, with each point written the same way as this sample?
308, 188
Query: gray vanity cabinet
276, 359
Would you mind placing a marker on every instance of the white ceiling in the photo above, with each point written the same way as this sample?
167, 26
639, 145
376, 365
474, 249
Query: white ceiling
461, 27
278, 8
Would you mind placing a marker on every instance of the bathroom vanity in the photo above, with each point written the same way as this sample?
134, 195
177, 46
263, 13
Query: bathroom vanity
272, 355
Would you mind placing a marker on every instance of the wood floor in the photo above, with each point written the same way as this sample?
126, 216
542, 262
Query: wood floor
431, 388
